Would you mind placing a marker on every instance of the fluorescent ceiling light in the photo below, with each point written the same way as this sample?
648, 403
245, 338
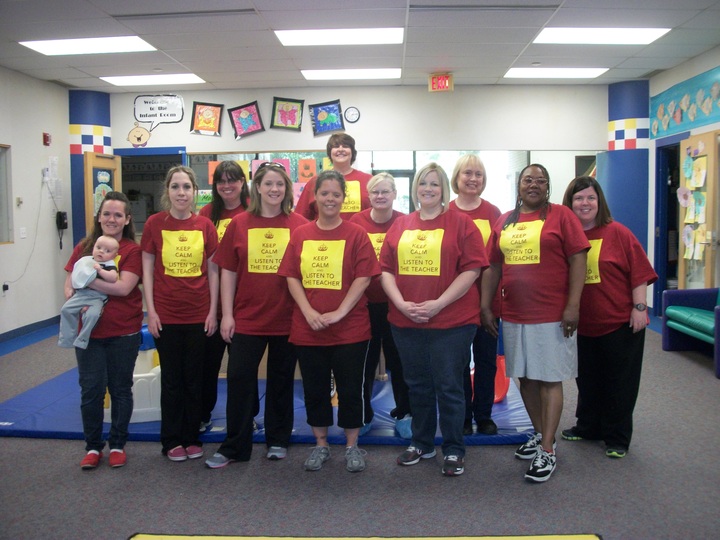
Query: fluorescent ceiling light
349, 74
147, 80
58, 47
348, 36
554, 73
601, 36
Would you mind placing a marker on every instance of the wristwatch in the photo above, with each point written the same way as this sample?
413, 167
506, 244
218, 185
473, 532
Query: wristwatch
640, 307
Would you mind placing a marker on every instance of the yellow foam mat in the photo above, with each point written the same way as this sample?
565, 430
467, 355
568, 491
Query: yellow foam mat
203, 537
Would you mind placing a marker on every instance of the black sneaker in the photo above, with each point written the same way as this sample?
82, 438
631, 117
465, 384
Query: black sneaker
487, 427
541, 467
453, 466
571, 434
530, 448
412, 455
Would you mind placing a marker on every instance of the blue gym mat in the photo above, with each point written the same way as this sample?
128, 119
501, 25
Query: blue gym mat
52, 410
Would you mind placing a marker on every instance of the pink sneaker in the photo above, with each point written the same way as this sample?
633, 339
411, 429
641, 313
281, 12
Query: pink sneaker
177, 454
193, 451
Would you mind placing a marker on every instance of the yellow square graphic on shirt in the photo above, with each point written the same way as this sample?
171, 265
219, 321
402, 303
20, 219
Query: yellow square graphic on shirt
483, 226
321, 264
353, 199
266, 247
182, 253
420, 252
222, 227
520, 242
593, 262
377, 240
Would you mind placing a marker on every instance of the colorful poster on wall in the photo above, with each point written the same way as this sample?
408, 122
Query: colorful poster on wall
206, 119
287, 113
690, 104
246, 120
326, 117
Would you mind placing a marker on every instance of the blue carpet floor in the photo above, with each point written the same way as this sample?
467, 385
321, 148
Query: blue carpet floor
52, 410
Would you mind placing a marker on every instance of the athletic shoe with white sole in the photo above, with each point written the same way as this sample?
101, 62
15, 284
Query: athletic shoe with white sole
541, 467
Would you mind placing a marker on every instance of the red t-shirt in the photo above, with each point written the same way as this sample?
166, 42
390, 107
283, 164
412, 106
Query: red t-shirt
253, 247
534, 257
425, 257
617, 264
327, 263
484, 216
182, 249
376, 233
356, 198
122, 315
225, 217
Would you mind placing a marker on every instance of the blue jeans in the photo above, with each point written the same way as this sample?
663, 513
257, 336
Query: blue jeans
480, 390
107, 363
433, 361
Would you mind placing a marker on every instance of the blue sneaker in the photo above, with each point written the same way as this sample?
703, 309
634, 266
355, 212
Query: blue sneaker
404, 427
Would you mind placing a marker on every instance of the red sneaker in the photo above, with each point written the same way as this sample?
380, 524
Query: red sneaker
91, 460
117, 459
193, 451
177, 454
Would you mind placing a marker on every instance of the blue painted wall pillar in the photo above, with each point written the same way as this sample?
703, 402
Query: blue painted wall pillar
623, 170
89, 132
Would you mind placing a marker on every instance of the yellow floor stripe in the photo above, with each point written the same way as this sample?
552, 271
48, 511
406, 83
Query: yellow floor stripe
538, 537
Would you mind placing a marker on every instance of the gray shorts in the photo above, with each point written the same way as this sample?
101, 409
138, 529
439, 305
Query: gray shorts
539, 352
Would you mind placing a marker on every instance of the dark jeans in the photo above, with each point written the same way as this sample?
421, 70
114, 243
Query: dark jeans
215, 347
433, 363
246, 353
181, 348
608, 382
382, 339
347, 364
107, 363
480, 393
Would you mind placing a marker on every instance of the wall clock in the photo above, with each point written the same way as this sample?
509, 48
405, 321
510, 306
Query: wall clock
352, 114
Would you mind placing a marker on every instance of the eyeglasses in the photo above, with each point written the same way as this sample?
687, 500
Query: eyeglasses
529, 180
270, 165
384, 192
229, 181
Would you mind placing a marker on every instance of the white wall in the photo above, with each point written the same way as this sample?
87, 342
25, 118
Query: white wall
34, 264
402, 118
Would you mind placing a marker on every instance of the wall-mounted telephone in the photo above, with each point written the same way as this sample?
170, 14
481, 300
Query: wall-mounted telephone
61, 221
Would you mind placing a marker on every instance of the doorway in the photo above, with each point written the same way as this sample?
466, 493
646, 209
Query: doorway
667, 215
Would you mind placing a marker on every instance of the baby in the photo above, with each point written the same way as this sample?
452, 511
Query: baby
100, 264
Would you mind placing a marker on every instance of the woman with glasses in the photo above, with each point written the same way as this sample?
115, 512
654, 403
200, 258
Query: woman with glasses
229, 198
377, 221
613, 317
538, 251
430, 261
253, 320
328, 265
468, 181
180, 282
342, 154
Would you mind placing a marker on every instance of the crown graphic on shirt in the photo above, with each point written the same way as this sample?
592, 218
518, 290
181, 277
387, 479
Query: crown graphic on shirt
183, 237
421, 236
269, 235
322, 247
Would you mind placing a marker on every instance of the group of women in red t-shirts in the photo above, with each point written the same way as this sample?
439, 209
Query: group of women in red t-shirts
340, 278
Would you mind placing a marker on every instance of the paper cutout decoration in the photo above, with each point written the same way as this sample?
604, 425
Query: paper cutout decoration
287, 113
688, 238
326, 117
683, 196
205, 119
307, 168
246, 120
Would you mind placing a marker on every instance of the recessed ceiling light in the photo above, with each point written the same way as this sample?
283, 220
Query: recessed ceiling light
601, 36
348, 74
120, 44
147, 80
554, 73
347, 36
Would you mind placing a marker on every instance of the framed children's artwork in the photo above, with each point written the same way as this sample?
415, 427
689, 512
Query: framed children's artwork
287, 113
326, 117
205, 118
246, 120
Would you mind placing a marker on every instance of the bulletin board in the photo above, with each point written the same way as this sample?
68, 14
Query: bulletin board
103, 173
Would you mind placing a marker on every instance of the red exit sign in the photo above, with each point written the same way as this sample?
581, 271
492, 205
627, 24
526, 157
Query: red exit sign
440, 82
